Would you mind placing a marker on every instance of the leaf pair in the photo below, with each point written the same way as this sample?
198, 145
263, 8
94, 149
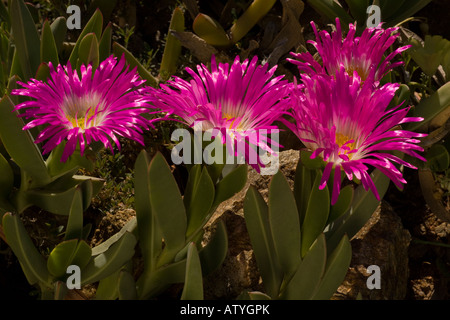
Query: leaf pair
168, 223
290, 247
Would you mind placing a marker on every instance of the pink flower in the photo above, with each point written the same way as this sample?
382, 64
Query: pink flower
348, 124
99, 106
238, 101
363, 54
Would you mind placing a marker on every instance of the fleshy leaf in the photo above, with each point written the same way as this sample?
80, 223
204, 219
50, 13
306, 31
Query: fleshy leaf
108, 262
32, 262
307, 277
198, 198
193, 283
284, 224
26, 38
49, 52
316, 215
20, 145
257, 221
167, 205
231, 184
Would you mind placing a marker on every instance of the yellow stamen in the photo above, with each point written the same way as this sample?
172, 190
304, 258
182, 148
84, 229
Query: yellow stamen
361, 72
229, 117
342, 139
79, 122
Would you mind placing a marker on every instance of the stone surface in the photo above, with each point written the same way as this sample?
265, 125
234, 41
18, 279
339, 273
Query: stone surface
383, 242
239, 271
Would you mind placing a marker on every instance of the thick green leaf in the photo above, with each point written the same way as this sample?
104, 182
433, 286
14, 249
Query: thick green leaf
358, 10
257, 221
94, 25
363, 206
20, 145
336, 269
105, 6
284, 224
342, 204
312, 164
213, 254
61, 257
409, 8
430, 107
74, 229
389, 8
316, 215
231, 184
43, 72
151, 284
88, 52
438, 158
198, 198
108, 262
119, 51
108, 288
130, 227
127, 286
167, 205
210, 30
59, 30
32, 262
255, 295
172, 49
104, 47
193, 283
89, 190
307, 278
49, 51
254, 12
51, 199
303, 181
57, 168
83, 254
331, 9
26, 38
6, 184
149, 234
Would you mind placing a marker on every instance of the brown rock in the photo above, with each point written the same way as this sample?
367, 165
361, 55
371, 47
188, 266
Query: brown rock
382, 242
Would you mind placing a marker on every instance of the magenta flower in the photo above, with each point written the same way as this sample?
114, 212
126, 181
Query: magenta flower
100, 106
364, 55
348, 124
238, 102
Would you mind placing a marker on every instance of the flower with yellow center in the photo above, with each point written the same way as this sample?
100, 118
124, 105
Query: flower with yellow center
238, 101
99, 106
348, 124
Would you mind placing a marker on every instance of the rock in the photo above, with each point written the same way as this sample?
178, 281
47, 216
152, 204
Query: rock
239, 271
382, 242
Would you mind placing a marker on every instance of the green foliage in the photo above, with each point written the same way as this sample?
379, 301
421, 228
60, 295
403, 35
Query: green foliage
392, 12
429, 54
213, 33
292, 265
170, 225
